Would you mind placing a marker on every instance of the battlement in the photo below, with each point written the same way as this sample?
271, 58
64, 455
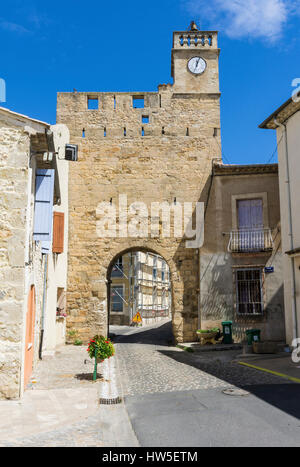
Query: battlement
101, 116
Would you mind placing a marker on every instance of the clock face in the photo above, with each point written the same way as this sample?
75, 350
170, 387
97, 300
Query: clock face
197, 65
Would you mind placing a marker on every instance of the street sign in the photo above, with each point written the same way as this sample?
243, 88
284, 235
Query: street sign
137, 318
269, 270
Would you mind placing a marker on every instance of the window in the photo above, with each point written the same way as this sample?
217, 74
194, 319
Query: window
154, 270
251, 236
93, 103
117, 298
250, 214
117, 270
145, 119
138, 102
249, 291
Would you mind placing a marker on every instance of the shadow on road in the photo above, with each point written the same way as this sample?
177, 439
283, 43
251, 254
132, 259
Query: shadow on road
160, 335
284, 396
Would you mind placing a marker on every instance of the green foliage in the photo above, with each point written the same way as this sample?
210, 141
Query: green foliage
100, 347
78, 342
72, 333
187, 349
207, 331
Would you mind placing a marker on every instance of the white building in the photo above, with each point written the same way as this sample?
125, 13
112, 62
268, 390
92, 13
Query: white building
286, 121
140, 283
33, 259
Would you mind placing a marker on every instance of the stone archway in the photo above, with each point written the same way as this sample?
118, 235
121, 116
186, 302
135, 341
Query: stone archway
136, 249
88, 288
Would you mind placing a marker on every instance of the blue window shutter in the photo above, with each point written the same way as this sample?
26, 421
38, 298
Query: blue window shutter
43, 210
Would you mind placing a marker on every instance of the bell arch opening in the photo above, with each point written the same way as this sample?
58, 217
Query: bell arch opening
139, 289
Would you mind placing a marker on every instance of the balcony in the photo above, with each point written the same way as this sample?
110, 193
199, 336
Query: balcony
250, 241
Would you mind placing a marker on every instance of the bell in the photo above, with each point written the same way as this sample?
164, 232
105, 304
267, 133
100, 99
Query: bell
193, 26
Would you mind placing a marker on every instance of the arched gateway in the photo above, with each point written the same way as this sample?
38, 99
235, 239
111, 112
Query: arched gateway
142, 156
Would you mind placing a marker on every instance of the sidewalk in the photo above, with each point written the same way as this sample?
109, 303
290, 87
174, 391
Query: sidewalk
278, 364
61, 406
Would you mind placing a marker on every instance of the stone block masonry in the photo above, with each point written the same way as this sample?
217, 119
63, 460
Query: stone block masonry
151, 147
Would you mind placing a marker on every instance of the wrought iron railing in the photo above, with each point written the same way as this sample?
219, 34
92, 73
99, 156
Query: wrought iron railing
252, 240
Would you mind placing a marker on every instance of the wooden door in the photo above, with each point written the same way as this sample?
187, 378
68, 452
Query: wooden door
29, 339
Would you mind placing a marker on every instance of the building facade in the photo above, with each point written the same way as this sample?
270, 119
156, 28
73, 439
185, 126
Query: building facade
141, 146
140, 284
31, 175
286, 122
241, 259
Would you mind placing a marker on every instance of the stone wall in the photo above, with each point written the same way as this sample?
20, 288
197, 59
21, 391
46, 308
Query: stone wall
170, 157
20, 259
14, 145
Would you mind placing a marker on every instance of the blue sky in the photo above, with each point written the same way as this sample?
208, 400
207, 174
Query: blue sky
125, 46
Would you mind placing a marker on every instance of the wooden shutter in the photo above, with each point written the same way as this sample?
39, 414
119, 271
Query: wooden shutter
58, 232
43, 209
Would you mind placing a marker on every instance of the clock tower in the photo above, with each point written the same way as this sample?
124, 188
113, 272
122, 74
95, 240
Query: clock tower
195, 61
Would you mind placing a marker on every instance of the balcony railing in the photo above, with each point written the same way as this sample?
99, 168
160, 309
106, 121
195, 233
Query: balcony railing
250, 241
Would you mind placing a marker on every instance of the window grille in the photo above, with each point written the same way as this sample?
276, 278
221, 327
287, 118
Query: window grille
249, 291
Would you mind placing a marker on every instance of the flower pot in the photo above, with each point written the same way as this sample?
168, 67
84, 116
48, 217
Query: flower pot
207, 337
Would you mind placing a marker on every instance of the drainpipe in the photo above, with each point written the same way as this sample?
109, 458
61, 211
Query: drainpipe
44, 307
283, 126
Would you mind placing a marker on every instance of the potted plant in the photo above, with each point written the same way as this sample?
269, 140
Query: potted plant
208, 335
100, 348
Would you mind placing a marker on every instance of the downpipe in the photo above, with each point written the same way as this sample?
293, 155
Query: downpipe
43, 308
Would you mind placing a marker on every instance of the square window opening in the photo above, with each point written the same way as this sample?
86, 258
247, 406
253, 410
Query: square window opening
93, 103
138, 102
145, 119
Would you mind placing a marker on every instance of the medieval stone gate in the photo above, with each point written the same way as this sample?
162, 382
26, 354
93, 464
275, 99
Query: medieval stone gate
145, 147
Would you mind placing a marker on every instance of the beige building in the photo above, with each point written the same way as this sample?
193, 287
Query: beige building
241, 259
148, 147
140, 283
33, 181
286, 122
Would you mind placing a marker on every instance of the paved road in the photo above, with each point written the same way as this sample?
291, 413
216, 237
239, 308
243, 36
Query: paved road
175, 398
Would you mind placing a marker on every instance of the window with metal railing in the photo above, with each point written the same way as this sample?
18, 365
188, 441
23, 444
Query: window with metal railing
251, 234
249, 294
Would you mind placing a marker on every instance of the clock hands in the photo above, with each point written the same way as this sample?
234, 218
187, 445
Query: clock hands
197, 65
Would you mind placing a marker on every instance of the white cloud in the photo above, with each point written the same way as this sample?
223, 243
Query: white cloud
263, 19
13, 27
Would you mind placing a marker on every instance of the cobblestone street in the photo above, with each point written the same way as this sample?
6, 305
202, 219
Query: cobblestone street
148, 364
61, 405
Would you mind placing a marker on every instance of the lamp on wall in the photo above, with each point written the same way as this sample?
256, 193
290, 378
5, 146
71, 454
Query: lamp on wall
71, 153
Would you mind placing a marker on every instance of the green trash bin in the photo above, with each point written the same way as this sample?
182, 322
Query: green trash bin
253, 335
227, 332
